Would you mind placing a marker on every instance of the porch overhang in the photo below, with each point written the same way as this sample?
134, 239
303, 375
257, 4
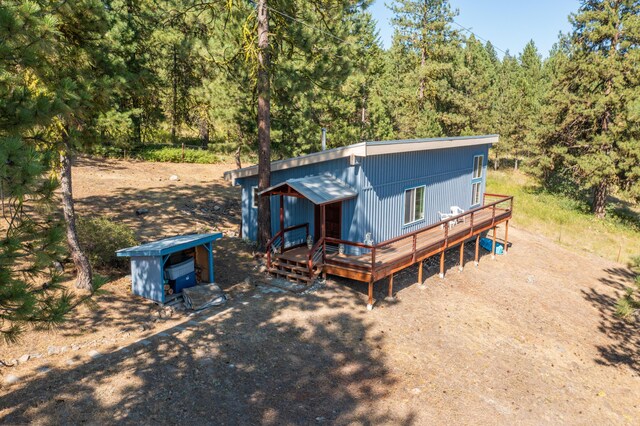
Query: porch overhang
319, 189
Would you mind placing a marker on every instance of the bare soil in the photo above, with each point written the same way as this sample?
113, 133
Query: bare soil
527, 338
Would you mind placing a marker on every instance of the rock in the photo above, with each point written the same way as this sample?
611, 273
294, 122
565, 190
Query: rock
174, 178
10, 379
24, 358
43, 369
262, 269
53, 350
141, 211
75, 347
530, 279
94, 354
216, 208
71, 361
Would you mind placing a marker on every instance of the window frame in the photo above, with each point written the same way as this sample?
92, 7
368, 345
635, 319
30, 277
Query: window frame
254, 197
404, 205
477, 184
480, 169
476, 180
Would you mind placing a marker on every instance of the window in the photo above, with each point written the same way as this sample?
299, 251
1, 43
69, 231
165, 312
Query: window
477, 166
475, 193
254, 194
413, 204
476, 179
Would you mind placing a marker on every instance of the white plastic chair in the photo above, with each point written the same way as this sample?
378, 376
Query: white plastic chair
445, 216
455, 211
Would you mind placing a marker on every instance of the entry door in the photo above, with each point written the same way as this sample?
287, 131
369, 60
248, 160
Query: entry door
333, 221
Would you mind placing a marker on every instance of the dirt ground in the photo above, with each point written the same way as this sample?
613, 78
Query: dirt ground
527, 338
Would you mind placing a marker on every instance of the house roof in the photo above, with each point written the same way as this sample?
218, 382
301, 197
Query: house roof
319, 189
364, 149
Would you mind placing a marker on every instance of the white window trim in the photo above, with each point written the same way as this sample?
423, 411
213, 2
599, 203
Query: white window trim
480, 169
473, 184
254, 197
404, 203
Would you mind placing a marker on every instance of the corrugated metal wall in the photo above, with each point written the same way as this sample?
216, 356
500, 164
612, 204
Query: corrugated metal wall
380, 181
446, 174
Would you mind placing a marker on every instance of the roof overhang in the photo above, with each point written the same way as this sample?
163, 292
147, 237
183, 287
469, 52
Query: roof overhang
364, 149
320, 189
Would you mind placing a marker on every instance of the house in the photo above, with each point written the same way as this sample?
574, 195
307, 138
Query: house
366, 210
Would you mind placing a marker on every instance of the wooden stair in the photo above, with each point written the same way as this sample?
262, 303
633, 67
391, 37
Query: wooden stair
297, 272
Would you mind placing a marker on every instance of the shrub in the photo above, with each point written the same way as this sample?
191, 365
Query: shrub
101, 237
174, 155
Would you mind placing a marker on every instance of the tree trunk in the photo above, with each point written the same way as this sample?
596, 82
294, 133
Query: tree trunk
174, 112
264, 125
204, 132
237, 157
496, 162
80, 260
600, 193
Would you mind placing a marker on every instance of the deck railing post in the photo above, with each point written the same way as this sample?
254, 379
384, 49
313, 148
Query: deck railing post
373, 261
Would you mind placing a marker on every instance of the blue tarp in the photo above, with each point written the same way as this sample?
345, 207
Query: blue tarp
487, 244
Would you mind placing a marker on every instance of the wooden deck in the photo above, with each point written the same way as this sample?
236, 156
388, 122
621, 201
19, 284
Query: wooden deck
385, 258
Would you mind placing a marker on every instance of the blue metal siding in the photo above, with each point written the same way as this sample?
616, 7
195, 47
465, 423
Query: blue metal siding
380, 182
298, 211
446, 173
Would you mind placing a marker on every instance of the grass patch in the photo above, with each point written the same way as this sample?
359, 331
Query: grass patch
569, 221
175, 155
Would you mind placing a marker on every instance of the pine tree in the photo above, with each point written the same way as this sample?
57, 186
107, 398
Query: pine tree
32, 236
595, 129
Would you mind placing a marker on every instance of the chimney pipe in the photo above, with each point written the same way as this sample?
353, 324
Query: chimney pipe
324, 139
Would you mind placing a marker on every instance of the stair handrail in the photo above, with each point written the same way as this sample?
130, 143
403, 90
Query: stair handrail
312, 254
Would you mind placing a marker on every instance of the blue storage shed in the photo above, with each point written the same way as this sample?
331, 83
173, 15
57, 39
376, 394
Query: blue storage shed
149, 262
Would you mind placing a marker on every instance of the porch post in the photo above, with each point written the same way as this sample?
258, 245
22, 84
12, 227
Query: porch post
322, 221
442, 263
391, 286
477, 246
461, 267
370, 301
282, 217
420, 273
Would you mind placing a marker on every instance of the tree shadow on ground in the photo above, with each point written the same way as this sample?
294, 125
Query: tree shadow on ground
276, 359
624, 349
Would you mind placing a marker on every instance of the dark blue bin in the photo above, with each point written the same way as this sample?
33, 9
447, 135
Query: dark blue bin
183, 282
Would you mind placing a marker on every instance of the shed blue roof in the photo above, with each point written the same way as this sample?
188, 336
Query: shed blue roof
321, 189
168, 245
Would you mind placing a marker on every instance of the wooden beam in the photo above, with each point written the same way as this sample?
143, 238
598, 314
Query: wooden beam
442, 264
493, 249
475, 262
461, 267
391, 286
370, 302
420, 273
506, 237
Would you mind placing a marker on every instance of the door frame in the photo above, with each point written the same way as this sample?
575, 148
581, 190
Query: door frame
317, 215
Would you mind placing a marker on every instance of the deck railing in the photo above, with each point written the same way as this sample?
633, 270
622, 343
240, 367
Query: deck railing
277, 244
498, 205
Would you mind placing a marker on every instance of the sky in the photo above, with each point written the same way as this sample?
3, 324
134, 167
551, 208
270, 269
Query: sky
508, 24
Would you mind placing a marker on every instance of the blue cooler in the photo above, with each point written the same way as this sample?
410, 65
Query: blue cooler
185, 281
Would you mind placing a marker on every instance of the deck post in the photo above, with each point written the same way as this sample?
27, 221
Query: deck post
477, 247
506, 237
391, 286
442, 263
420, 283
493, 249
461, 267
370, 302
